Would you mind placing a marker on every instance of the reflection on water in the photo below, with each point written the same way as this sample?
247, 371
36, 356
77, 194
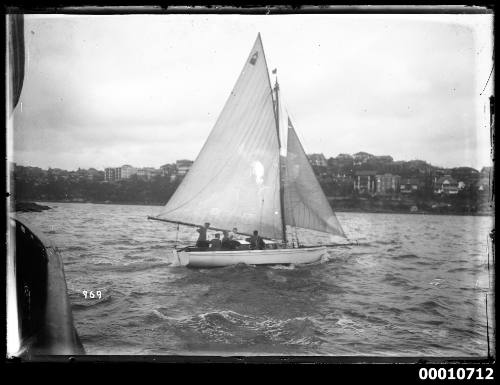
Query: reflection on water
414, 285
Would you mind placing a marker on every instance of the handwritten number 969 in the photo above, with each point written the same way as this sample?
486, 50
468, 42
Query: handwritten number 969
91, 294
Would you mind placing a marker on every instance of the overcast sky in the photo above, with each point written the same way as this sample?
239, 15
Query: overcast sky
145, 90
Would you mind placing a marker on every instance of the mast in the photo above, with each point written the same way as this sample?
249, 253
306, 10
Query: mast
282, 190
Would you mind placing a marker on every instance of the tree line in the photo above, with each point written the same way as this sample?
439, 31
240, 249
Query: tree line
133, 190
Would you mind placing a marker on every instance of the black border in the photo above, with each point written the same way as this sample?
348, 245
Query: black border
354, 367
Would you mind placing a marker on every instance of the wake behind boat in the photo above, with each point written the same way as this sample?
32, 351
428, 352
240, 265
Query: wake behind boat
244, 178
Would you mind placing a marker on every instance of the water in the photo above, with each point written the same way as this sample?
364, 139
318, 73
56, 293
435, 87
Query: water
415, 285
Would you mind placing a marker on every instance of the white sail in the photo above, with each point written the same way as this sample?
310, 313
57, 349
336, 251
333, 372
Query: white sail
305, 203
234, 182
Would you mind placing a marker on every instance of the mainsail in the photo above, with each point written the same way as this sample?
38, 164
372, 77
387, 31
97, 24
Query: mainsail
234, 181
305, 203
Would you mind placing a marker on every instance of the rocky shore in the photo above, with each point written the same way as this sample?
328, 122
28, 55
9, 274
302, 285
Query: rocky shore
30, 207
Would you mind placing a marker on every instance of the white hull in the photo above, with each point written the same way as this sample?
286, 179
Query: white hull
249, 257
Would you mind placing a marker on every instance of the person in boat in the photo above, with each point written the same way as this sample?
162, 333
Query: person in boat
216, 244
256, 241
202, 238
233, 238
226, 242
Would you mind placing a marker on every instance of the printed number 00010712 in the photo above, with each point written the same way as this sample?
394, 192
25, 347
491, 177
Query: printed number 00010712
455, 373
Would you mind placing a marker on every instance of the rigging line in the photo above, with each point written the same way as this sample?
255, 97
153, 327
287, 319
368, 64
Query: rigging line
487, 327
293, 216
176, 236
488, 246
489, 77
260, 219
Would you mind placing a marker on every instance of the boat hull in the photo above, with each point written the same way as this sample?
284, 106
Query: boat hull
249, 257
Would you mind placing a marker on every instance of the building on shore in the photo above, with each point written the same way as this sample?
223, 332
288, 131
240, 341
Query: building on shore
127, 171
387, 184
147, 172
410, 185
365, 182
183, 166
446, 185
168, 169
112, 174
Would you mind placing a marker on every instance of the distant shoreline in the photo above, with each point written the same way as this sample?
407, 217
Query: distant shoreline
343, 210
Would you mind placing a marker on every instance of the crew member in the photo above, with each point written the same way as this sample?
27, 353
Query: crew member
202, 238
256, 241
215, 244
233, 238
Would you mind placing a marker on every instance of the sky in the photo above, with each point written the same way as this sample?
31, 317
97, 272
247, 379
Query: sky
103, 91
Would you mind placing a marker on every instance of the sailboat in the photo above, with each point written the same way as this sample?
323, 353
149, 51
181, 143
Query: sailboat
245, 178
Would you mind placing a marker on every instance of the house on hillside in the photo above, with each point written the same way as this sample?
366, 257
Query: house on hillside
446, 185
409, 185
168, 170
183, 166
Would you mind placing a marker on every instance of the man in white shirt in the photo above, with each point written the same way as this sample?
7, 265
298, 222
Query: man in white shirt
233, 237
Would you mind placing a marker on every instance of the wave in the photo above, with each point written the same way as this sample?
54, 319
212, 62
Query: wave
131, 256
283, 267
90, 303
465, 269
73, 248
430, 307
131, 267
120, 242
228, 325
138, 294
276, 277
155, 247
397, 281
424, 263
389, 242
405, 256
437, 282
348, 325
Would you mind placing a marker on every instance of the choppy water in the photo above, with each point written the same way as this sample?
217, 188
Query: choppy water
415, 285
